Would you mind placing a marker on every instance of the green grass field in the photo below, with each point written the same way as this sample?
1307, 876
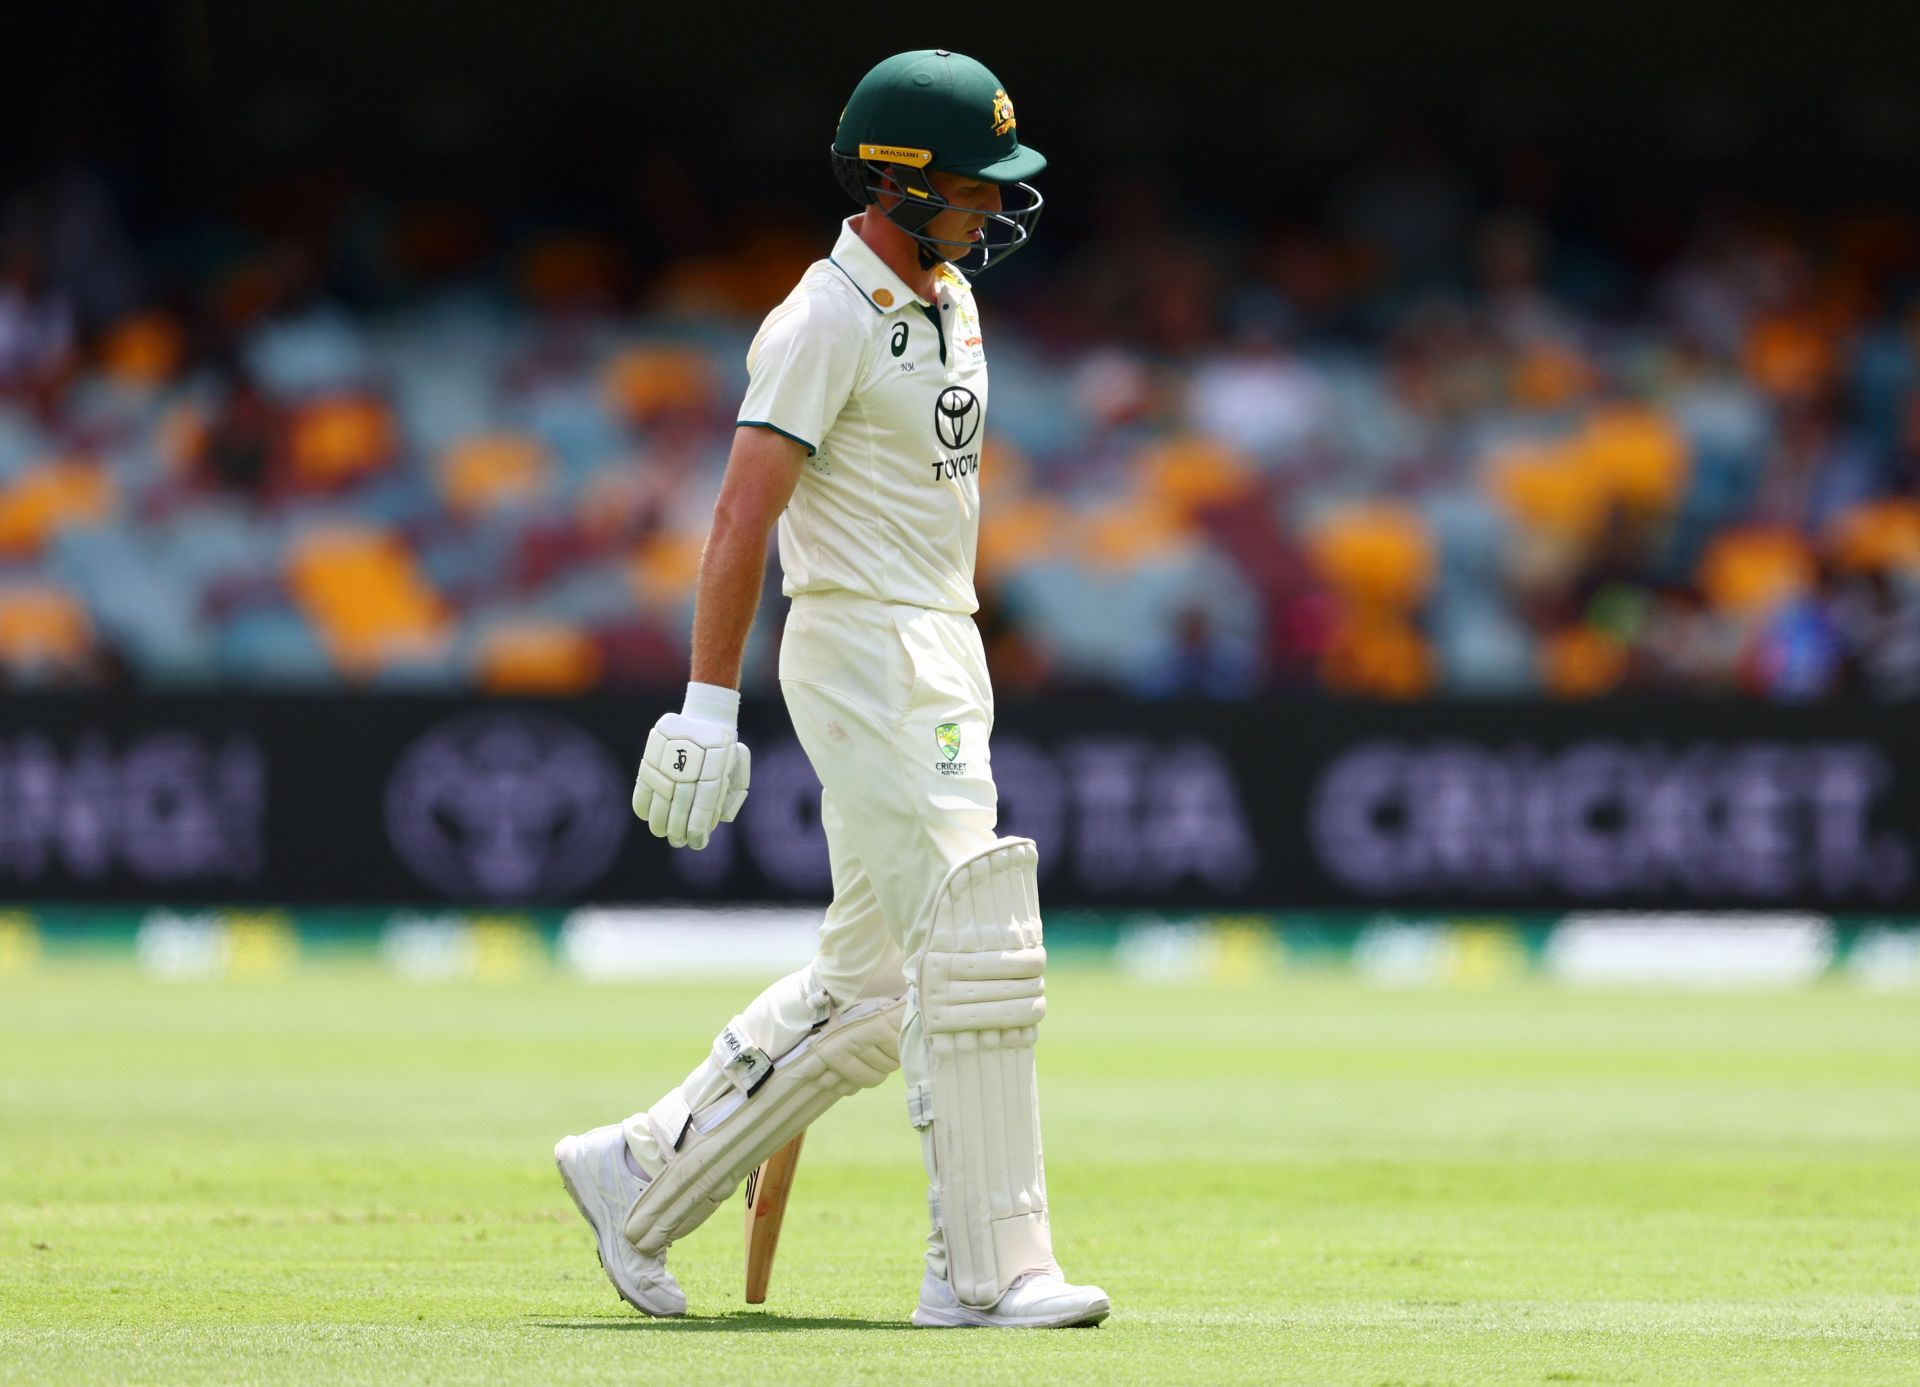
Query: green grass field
342, 1178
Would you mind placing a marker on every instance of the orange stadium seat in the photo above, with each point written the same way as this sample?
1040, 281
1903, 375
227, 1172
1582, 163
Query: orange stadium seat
39, 503
1026, 530
538, 658
664, 568
1376, 655
1378, 556
145, 349
744, 281
484, 474
613, 503
564, 270
1789, 355
1130, 532
1189, 474
643, 383
1549, 376
1548, 487
1751, 571
1882, 534
42, 625
180, 437
339, 440
1011, 472
1581, 662
1637, 456
363, 592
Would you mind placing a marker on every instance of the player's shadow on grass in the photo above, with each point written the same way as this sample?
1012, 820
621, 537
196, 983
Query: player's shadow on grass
737, 1322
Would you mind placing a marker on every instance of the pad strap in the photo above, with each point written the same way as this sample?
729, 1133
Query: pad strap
745, 1065
670, 1118
725, 1140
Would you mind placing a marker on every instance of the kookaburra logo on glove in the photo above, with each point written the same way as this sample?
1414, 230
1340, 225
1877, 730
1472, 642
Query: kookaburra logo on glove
694, 772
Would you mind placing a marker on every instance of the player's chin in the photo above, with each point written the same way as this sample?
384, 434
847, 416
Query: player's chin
961, 249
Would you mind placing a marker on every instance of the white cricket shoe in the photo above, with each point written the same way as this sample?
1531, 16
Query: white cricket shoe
1038, 1300
593, 1167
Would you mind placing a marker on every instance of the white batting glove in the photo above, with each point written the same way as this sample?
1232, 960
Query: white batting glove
694, 774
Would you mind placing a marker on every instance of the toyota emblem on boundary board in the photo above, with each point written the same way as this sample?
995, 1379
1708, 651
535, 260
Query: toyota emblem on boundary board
506, 806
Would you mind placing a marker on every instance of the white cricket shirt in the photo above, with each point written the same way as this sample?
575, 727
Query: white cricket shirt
889, 394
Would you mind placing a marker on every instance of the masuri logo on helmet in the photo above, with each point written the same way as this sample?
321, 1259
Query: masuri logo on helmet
937, 111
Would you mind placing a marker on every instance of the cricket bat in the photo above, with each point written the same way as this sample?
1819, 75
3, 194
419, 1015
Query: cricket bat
767, 1191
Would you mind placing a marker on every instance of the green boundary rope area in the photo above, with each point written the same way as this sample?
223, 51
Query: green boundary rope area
661, 942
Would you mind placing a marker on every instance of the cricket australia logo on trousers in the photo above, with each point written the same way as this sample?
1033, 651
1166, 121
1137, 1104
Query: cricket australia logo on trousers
947, 737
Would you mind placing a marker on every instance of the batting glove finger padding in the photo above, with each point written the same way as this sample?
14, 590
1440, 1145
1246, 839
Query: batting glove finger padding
687, 783
739, 772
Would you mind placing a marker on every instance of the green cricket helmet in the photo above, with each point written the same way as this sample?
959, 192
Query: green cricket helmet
933, 110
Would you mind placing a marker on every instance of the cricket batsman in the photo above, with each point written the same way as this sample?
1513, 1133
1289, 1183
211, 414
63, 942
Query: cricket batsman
861, 437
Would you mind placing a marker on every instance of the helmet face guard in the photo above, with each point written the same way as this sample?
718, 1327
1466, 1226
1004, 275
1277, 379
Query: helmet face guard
869, 181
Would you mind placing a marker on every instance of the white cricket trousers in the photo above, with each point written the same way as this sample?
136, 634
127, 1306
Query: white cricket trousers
893, 707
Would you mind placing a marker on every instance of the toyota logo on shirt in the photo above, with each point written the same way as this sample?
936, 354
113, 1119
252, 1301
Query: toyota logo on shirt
956, 417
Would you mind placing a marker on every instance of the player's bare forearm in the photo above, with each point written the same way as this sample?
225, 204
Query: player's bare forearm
730, 572
761, 473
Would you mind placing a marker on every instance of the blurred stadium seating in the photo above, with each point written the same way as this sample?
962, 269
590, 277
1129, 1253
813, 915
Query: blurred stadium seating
1344, 458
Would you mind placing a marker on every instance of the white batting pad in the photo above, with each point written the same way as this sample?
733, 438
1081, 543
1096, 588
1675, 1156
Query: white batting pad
971, 1087
709, 1151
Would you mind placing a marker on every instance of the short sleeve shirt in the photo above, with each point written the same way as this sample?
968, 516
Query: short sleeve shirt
888, 393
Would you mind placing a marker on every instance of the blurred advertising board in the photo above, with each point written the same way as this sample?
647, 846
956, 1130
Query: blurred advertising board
1280, 804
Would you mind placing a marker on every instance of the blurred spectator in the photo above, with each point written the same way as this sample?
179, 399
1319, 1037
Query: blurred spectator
244, 443
1200, 663
1259, 397
1878, 618
1019, 665
37, 327
68, 218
